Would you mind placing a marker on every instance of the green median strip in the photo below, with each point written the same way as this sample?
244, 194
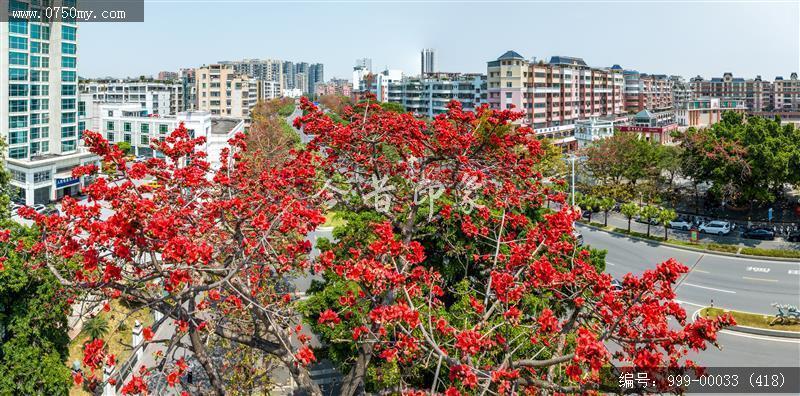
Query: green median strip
758, 321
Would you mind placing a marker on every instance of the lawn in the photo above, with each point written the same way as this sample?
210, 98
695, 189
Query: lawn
751, 320
120, 323
333, 219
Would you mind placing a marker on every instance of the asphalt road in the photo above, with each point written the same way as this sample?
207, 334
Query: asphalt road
742, 284
731, 282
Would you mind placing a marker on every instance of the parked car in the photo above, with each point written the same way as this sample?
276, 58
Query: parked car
680, 225
39, 208
578, 237
794, 237
616, 285
759, 233
716, 227
640, 219
50, 211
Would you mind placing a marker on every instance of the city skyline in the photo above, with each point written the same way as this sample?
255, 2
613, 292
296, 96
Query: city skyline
652, 37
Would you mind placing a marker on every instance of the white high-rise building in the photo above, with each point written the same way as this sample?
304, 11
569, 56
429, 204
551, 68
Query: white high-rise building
39, 110
428, 61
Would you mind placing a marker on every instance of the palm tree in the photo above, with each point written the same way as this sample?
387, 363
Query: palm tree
96, 327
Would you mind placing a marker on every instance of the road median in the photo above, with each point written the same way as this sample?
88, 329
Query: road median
752, 323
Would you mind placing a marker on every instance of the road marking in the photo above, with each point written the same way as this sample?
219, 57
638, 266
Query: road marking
611, 264
759, 269
757, 337
701, 271
759, 279
794, 272
709, 288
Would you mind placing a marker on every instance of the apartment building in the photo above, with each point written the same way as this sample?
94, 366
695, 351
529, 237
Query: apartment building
704, 112
132, 124
167, 75
222, 91
380, 85
335, 86
756, 94
646, 91
39, 108
429, 95
156, 97
681, 92
786, 93
268, 90
555, 94
259, 69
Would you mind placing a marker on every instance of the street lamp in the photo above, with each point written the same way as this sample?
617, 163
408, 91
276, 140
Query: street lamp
572, 158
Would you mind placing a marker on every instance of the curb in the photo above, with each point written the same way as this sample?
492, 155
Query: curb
755, 330
714, 252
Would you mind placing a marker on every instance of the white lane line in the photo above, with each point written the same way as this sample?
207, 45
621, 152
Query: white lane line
611, 264
759, 279
700, 271
708, 288
758, 337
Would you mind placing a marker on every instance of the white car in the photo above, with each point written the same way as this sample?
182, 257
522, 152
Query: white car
39, 208
680, 225
716, 227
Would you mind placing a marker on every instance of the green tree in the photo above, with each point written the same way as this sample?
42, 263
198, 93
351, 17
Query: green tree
96, 327
665, 216
629, 210
745, 161
649, 213
588, 203
395, 107
125, 147
33, 320
621, 162
33, 327
605, 204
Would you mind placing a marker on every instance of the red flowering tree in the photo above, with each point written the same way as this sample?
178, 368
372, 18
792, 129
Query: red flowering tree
450, 276
210, 249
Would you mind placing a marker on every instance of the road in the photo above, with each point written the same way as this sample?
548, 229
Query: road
731, 282
742, 284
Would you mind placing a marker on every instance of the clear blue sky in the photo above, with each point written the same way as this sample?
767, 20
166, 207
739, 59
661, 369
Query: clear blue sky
669, 37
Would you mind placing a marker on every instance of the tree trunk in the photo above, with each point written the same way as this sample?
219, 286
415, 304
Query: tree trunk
605, 220
665, 232
354, 380
648, 228
305, 385
199, 349
629, 225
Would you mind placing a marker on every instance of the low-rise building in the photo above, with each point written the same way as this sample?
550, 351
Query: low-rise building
593, 129
335, 86
654, 127
704, 112
155, 96
130, 123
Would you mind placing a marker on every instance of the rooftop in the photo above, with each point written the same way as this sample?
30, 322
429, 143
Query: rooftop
224, 126
511, 55
569, 60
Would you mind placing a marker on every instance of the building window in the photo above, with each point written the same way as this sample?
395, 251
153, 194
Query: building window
68, 76
17, 137
68, 132
67, 104
68, 48
127, 138
68, 90
145, 128
18, 58
15, 106
126, 126
68, 145
162, 128
68, 61
20, 27
17, 74
17, 175
144, 140
20, 43
20, 121
68, 33
109, 125
42, 176
17, 152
